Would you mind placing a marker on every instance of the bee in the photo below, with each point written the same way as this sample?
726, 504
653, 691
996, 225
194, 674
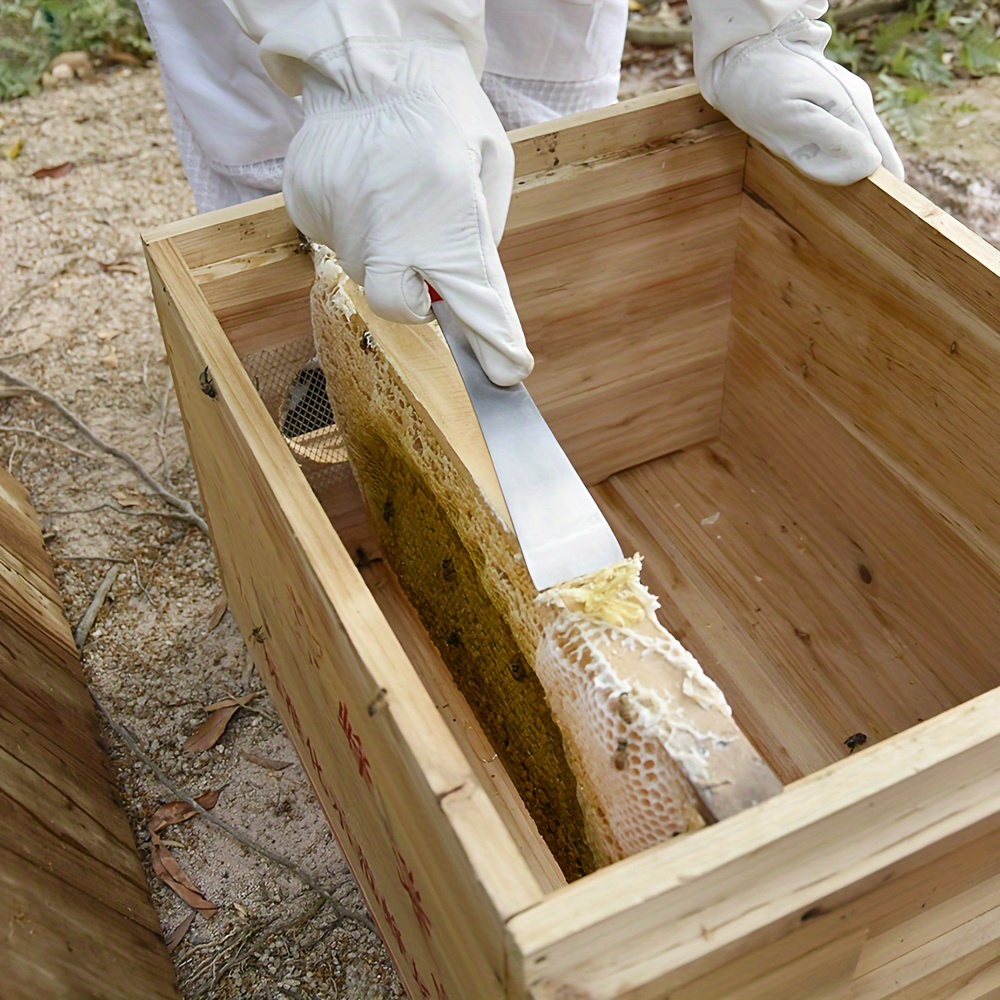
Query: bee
378, 702
853, 742
207, 384
620, 757
627, 709
364, 561
259, 634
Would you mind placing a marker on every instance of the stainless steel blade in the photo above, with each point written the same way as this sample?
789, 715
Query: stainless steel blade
560, 528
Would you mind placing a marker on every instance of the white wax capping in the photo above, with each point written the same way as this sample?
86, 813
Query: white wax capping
635, 708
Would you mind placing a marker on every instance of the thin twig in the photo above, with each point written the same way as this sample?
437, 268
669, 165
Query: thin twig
187, 511
14, 429
138, 580
161, 433
855, 13
90, 616
251, 943
655, 34
112, 559
175, 515
130, 741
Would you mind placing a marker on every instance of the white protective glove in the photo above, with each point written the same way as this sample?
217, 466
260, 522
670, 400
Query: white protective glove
403, 167
779, 87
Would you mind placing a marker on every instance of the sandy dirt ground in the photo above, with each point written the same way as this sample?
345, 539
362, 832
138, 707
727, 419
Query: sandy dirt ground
77, 321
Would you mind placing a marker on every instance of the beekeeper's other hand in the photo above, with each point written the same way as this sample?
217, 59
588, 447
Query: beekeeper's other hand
403, 168
772, 79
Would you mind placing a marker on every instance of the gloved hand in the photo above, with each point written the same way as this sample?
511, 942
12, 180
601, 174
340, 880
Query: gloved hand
781, 89
403, 168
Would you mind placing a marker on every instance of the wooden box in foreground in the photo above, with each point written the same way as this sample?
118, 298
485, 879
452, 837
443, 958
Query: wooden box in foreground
786, 397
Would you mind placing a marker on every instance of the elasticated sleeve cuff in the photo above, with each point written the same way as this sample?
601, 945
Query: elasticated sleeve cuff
295, 32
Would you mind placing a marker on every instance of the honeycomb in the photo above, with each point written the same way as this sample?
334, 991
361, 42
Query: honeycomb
622, 689
601, 717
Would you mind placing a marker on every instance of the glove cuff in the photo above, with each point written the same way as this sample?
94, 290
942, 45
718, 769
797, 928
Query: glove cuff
719, 26
806, 35
367, 72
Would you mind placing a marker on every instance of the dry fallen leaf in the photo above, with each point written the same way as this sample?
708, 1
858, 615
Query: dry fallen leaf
110, 360
230, 702
126, 499
178, 811
111, 54
218, 613
107, 335
271, 765
170, 872
210, 731
12, 391
174, 938
13, 149
59, 170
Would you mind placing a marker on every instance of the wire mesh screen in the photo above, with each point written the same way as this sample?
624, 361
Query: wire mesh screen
292, 387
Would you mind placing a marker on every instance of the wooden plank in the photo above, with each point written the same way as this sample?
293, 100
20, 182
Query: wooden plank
954, 954
892, 310
621, 272
755, 537
639, 122
74, 900
928, 927
659, 920
595, 182
932, 584
435, 862
263, 301
818, 667
228, 232
823, 973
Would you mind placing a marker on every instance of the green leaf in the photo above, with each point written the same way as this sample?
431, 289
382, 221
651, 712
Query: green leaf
843, 48
901, 107
979, 52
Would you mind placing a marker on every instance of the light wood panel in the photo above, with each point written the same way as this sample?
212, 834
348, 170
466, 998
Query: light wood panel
640, 121
890, 310
931, 580
621, 273
821, 610
436, 863
74, 902
658, 921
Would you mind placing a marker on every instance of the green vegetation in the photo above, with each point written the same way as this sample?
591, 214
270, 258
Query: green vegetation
930, 43
32, 32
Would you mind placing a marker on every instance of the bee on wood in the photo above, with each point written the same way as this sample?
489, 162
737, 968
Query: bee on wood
378, 702
627, 709
853, 742
620, 757
364, 561
207, 384
259, 634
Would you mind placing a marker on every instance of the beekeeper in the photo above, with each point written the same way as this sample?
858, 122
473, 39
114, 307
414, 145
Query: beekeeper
383, 121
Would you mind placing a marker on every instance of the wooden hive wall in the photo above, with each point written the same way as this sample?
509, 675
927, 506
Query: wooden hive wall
74, 903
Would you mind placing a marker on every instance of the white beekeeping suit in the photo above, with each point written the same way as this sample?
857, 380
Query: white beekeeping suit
385, 121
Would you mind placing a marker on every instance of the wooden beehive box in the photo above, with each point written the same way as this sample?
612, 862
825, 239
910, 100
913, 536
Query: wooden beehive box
786, 397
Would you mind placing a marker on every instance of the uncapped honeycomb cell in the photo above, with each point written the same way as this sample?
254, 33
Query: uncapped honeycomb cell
618, 728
